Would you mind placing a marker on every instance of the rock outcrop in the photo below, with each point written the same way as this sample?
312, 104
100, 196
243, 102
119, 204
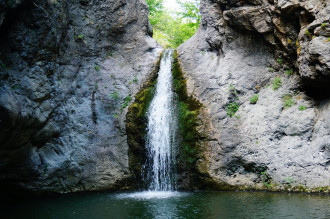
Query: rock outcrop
278, 52
68, 71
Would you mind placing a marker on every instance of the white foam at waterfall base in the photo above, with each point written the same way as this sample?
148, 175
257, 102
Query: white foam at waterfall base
152, 195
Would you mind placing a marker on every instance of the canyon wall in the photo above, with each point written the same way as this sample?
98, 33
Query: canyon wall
278, 50
68, 71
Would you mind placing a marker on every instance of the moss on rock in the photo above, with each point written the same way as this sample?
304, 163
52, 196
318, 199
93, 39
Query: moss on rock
136, 126
191, 150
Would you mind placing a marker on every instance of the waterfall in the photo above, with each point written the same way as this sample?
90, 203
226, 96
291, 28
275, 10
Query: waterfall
161, 131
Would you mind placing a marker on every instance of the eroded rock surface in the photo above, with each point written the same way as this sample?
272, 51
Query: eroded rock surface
69, 69
282, 141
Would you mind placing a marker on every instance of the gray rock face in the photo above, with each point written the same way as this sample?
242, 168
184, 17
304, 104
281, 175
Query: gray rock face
237, 52
250, 18
69, 69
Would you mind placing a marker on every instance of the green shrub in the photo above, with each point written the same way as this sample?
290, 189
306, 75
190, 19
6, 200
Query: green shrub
190, 150
277, 83
79, 37
279, 61
268, 185
288, 101
135, 80
97, 68
289, 72
254, 99
289, 181
323, 25
115, 96
126, 102
307, 32
270, 69
45, 169
302, 108
232, 109
265, 176
232, 90
3, 66
15, 87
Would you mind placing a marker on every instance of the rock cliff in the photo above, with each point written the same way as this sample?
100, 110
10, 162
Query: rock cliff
68, 71
270, 61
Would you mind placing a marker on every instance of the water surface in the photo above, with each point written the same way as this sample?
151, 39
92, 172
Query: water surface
173, 205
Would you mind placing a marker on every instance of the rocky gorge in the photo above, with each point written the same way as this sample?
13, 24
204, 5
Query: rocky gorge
73, 72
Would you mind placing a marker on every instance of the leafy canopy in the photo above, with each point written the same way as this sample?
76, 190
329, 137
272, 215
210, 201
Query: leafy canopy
155, 6
190, 10
171, 29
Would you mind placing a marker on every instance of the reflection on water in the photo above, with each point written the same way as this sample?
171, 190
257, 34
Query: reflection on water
173, 205
157, 204
152, 195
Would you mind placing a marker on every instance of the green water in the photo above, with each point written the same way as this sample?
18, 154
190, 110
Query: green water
173, 205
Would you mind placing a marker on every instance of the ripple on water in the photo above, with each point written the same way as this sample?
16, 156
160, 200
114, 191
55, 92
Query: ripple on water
152, 195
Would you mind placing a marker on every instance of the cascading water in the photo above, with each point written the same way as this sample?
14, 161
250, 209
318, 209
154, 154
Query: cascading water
158, 173
161, 131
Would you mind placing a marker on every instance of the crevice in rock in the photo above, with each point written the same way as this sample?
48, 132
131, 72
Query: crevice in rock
318, 90
239, 165
13, 15
94, 116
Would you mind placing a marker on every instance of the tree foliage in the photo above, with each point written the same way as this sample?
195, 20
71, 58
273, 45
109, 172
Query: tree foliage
155, 6
191, 10
171, 29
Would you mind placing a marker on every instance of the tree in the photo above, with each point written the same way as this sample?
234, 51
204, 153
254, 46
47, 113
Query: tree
155, 6
190, 10
171, 29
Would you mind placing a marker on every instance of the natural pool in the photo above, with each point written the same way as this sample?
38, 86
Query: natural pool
173, 205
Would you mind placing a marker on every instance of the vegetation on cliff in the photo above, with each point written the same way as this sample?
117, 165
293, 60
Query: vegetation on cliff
136, 125
188, 111
190, 150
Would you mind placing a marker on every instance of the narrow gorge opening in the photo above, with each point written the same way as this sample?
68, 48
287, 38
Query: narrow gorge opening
165, 132
173, 21
162, 123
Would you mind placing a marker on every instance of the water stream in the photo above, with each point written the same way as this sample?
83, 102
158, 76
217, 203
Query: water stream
161, 131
